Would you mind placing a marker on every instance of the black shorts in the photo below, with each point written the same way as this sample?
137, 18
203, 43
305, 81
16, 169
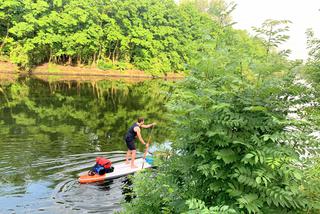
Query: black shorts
131, 145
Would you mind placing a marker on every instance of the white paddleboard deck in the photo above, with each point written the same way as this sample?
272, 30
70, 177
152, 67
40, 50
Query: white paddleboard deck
120, 169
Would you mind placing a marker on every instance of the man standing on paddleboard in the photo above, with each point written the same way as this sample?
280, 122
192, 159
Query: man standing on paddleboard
133, 132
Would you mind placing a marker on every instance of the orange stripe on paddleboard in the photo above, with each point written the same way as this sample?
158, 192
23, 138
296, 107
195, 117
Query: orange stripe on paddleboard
90, 179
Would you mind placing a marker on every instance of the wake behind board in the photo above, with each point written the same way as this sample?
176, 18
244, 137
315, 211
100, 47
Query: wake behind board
120, 169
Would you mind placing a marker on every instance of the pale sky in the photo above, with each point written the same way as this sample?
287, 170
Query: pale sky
303, 14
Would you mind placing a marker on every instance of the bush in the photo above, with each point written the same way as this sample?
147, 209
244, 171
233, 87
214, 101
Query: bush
234, 153
119, 65
20, 57
123, 66
105, 65
312, 186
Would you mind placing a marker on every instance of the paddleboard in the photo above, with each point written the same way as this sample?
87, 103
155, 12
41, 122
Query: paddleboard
120, 169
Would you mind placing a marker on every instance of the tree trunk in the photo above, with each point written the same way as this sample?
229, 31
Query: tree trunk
114, 52
5, 38
94, 59
99, 53
117, 54
69, 60
269, 41
109, 50
50, 56
78, 59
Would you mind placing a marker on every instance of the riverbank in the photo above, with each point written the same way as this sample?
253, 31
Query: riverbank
48, 69
53, 69
8, 71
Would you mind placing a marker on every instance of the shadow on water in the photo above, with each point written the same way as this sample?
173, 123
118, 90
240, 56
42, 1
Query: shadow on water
50, 132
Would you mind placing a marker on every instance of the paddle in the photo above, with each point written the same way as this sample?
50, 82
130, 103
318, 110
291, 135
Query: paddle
147, 147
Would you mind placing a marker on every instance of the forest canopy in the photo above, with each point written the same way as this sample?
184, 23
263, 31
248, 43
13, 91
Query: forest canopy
156, 36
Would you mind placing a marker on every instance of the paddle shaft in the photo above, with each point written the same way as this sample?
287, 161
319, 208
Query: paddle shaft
147, 147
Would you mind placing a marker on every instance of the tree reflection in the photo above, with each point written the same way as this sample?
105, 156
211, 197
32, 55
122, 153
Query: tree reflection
44, 120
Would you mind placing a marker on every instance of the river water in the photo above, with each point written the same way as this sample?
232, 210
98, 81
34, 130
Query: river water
50, 131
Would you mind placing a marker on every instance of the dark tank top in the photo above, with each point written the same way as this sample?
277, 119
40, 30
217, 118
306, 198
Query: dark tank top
131, 134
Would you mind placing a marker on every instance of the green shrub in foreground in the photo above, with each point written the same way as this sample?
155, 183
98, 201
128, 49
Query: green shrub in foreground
235, 153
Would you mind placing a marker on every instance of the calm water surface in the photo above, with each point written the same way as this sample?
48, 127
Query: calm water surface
52, 131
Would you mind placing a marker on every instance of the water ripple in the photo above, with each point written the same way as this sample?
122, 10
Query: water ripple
60, 192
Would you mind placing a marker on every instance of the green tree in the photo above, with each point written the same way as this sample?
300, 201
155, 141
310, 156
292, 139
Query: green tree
218, 10
273, 33
313, 63
233, 150
312, 74
156, 36
221, 11
313, 45
9, 13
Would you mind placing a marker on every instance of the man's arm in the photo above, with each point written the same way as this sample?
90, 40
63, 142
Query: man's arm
137, 129
148, 126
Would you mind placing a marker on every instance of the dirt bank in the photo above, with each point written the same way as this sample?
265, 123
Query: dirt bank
8, 72
53, 72
60, 70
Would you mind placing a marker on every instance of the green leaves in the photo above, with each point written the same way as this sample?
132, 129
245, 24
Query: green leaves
272, 32
238, 129
198, 206
156, 36
227, 155
250, 202
235, 145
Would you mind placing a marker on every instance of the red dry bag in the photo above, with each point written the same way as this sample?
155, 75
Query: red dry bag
106, 163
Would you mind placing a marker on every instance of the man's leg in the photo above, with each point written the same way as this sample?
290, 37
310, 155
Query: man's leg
127, 156
133, 157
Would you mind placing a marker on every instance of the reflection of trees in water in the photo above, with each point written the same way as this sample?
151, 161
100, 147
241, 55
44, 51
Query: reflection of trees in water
48, 120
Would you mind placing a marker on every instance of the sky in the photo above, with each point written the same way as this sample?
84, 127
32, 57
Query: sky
303, 14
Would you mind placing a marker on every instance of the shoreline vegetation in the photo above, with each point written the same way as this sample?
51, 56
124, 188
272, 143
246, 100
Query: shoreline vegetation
54, 69
49, 71
152, 36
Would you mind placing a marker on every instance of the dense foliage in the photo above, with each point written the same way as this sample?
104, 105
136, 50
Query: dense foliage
313, 63
235, 151
243, 142
312, 75
152, 35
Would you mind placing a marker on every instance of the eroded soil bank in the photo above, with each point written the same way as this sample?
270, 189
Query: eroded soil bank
53, 72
